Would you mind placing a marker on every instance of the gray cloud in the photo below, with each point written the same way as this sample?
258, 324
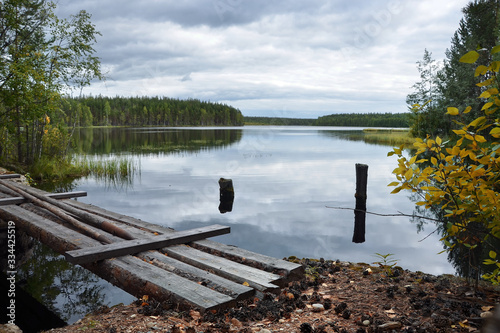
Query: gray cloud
296, 57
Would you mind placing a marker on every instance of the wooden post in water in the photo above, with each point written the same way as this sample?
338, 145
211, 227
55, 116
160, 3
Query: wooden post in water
226, 195
360, 211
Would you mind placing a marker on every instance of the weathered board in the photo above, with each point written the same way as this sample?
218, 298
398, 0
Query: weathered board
260, 280
288, 270
140, 245
179, 288
212, 281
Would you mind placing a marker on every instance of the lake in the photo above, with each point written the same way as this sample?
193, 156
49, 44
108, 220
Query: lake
285, 179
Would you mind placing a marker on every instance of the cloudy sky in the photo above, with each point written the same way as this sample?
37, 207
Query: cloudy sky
293, 58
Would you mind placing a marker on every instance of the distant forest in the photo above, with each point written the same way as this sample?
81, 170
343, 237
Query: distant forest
364, 119
279, 121
342, 119
147, 111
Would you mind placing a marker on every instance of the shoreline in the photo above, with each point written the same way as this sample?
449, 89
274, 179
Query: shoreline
334, 296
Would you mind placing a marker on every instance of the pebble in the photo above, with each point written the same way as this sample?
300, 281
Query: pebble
366, 322
265, 330
317, 307
236, 322
486, 314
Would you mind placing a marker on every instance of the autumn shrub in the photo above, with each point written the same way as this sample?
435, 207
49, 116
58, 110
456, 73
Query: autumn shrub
462, 176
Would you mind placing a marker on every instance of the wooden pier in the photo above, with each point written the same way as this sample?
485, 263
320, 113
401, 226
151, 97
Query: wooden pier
144, 258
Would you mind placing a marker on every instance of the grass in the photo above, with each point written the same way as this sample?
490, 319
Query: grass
114, 170
46, 169
393, 137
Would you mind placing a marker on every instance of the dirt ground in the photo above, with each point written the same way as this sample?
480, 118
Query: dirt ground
333, 297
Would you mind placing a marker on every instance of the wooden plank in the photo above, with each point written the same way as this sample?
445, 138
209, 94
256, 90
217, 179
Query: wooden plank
179, 288
260, 280
236, 290
289, 270
139, 245
65, 195
10, 176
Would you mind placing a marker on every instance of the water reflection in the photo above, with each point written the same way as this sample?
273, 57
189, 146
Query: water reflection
152, 140
67, 290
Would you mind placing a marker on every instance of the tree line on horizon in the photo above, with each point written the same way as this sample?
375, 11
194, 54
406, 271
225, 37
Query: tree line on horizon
146, 111
395, 120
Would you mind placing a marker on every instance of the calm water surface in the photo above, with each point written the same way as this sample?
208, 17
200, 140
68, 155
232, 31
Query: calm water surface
284, 179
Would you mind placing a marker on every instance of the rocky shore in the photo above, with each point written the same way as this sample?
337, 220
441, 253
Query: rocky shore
333, 297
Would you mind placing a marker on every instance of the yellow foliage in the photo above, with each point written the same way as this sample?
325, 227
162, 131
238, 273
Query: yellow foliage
462, 178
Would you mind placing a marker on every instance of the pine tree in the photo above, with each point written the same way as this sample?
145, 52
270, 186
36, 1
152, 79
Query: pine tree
422, 101
478, 29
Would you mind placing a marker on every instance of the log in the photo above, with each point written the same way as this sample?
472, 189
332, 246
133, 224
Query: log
9, 176
123, 248
64, 195
48, 203
360, 211
74, 222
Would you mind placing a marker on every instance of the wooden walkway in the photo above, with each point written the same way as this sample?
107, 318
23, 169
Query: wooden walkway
144, 258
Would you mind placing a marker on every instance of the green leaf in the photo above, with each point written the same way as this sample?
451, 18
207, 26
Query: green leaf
493, 255
470, 57
495, 49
